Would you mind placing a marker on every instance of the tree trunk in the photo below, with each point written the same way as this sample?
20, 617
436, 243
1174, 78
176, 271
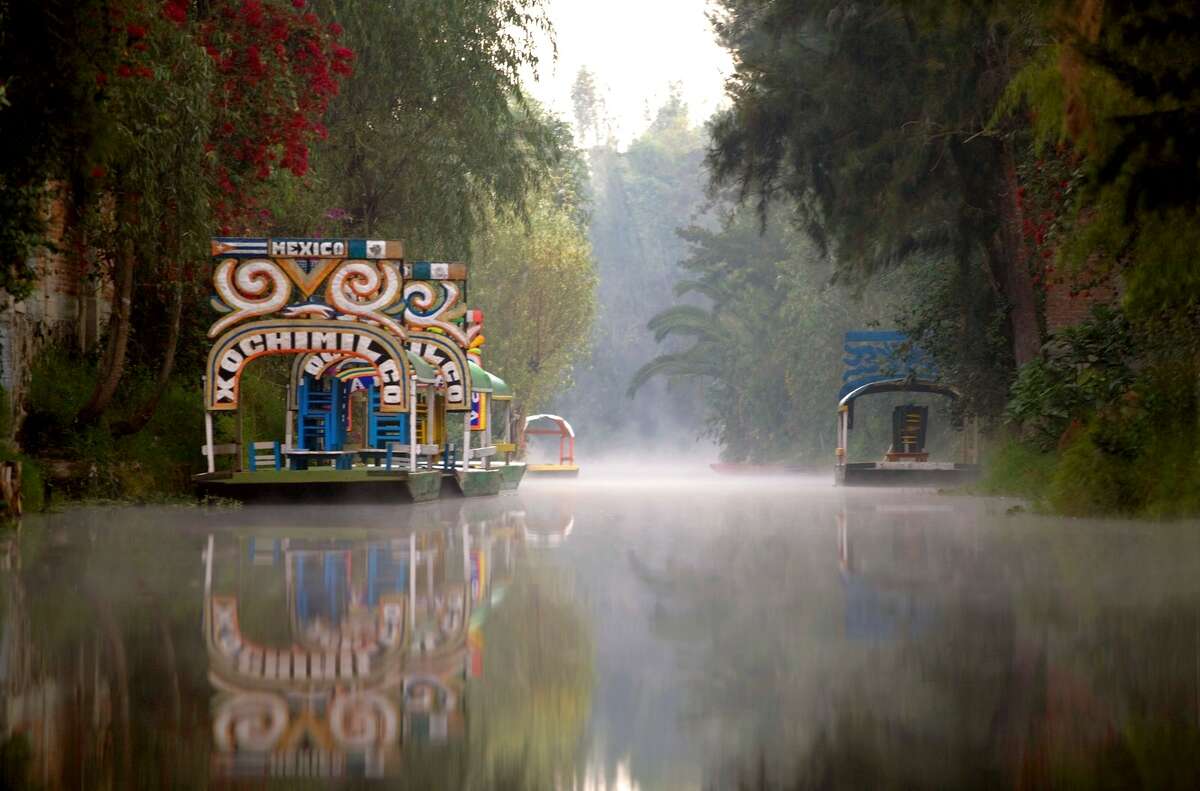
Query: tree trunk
1010, 261
143, 415
112, 363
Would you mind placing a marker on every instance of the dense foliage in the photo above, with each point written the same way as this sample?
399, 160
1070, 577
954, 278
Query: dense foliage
535, 281
136, 129
1006, 164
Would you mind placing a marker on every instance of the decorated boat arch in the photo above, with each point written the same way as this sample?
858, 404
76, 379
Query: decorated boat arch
386, 388
886, 361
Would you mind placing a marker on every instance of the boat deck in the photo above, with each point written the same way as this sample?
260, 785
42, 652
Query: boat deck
357, 483
905, 473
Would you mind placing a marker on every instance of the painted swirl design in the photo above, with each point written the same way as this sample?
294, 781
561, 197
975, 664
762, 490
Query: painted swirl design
253, 288
364, 289
427, 304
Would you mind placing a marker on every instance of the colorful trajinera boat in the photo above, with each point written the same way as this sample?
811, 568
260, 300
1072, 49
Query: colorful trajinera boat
553, 426
887, 362
387, 395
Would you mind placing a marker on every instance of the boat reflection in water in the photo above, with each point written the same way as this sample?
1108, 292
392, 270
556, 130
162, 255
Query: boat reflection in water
328, 654
316, 650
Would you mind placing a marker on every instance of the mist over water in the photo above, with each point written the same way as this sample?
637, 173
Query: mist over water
643, 626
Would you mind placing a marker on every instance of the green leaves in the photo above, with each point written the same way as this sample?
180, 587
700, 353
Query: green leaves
434, 132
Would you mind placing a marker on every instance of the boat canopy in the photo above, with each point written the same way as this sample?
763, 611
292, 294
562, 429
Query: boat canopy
899, 386
422, 371
500, 389
563, 425
481, 382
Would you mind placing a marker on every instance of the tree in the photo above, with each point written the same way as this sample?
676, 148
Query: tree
184, 143
869, 121
435, 130
768, 346
640, 197
536, 283
1117, 84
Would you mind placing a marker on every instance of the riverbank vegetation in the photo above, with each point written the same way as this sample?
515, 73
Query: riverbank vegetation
1022, 178
136, 129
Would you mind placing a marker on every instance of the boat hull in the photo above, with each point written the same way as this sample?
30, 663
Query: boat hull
321, 485
478, 483
553, 470
925, 474
511, 474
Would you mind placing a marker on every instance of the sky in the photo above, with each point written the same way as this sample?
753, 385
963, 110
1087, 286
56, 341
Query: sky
635, 49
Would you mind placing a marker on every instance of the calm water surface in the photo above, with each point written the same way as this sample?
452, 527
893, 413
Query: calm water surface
615, 633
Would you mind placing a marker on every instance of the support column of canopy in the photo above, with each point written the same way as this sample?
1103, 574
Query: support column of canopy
208, 440
843, 433
412, 424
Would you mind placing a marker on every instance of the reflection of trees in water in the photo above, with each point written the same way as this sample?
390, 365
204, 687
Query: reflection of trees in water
1048, 665
92, 684
526, 717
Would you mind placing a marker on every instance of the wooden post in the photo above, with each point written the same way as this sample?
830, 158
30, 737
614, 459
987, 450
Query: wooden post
208, 437
487, 432
412, 424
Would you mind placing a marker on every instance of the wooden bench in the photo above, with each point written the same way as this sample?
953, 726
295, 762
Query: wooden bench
299, 459
226, 449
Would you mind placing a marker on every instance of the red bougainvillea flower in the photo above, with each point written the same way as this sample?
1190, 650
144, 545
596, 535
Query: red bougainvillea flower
176, 11
99, 172
280, 66
135, 31
124, 70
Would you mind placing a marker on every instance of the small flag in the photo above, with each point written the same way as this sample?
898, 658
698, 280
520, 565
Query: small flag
376, 249
435, 270
235, 247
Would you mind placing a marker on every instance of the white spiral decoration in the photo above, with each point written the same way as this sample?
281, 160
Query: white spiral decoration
362, 720
363, 289
255, 288
251, 721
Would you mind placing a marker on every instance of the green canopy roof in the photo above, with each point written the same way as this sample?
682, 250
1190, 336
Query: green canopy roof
423, 371
480, 381
500, 388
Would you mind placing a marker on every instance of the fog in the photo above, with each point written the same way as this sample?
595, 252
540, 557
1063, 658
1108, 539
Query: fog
689, 630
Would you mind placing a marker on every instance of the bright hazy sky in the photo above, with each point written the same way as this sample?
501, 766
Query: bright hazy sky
634, 49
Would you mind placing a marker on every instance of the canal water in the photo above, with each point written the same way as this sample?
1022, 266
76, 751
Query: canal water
618, 632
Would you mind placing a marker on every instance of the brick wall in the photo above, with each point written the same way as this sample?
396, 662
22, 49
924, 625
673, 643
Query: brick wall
1069, 301
68, 306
